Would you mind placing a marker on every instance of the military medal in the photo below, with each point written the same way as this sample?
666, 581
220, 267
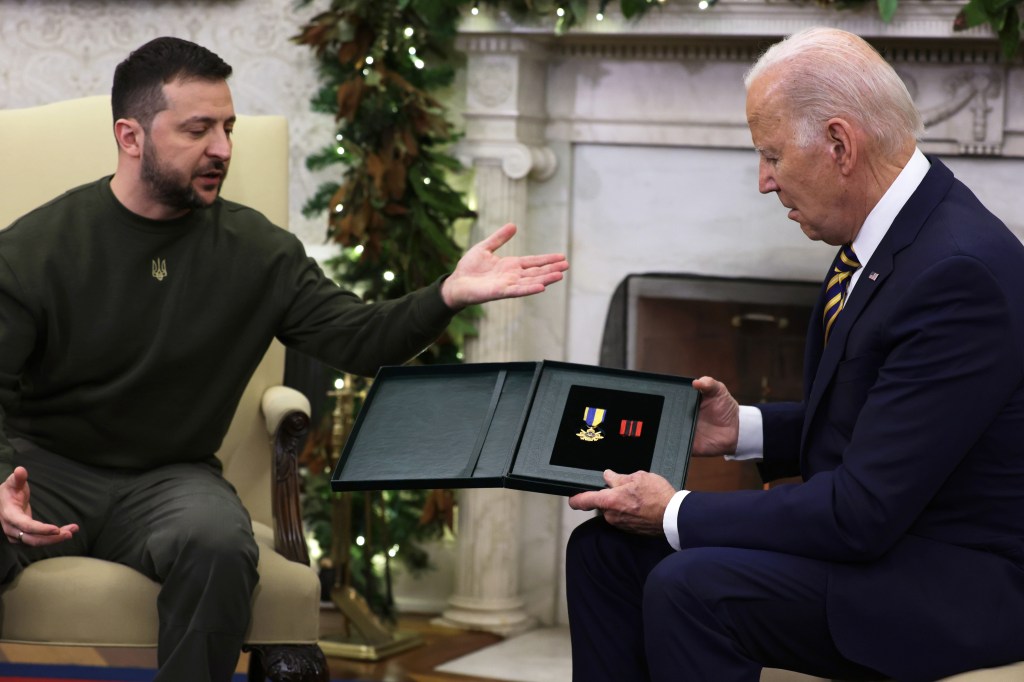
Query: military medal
592, 416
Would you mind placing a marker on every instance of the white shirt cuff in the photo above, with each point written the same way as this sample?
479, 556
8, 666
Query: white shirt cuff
670, 522
750, 443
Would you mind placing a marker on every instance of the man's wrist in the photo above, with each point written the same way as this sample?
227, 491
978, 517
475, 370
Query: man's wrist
750, 440
670, 521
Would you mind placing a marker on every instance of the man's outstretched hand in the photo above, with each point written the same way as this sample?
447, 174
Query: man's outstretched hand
482, 276
16, 515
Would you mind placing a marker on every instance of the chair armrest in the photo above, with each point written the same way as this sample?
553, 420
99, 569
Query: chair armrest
287, 415
278, 402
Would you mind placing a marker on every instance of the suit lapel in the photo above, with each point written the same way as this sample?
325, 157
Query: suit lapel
876, 271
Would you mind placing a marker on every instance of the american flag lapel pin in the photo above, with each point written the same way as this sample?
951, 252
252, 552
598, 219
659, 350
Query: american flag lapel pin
873, 276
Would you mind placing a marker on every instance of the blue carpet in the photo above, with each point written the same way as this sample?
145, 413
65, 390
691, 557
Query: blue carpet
38, 672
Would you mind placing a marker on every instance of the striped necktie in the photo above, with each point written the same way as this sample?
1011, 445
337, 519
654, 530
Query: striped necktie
835, 292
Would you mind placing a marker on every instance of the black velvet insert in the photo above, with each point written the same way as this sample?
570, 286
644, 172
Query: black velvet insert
623, 441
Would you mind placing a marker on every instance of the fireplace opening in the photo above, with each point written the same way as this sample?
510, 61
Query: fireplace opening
747, 333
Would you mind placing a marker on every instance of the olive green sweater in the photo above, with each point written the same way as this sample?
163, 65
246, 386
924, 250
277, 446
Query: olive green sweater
127, 342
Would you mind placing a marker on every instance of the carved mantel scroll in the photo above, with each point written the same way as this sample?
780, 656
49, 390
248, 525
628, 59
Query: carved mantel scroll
505, 113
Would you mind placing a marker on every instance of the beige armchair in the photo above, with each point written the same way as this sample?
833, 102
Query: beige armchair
85, 601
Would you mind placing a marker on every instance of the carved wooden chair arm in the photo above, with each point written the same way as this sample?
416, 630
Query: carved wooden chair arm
287, 414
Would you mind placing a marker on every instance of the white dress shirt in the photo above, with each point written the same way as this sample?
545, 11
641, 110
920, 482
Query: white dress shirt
750, 444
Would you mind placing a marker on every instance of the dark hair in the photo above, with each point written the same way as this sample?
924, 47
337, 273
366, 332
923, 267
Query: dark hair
139, 79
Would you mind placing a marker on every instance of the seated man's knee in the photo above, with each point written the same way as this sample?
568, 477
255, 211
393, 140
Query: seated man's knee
586, 536
687, 576
207, 537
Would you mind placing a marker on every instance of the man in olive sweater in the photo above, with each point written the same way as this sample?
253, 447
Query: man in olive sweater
133, 311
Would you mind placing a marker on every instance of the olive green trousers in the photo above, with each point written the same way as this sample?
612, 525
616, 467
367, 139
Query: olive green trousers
181, 525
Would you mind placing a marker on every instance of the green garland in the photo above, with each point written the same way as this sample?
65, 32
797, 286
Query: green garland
1005, 17
393, 211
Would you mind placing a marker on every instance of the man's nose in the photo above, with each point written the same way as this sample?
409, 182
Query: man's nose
220, 146
765, 179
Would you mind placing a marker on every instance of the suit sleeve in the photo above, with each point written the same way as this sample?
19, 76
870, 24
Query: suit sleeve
338, 328
782, 425
945, 364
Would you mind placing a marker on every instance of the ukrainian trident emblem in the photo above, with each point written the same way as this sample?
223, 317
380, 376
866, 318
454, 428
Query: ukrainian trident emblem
159, 269
592, 416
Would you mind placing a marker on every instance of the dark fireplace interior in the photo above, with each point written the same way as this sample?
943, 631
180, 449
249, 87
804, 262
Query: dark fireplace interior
747, 333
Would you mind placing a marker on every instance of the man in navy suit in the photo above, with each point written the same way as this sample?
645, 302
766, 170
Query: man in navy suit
901, 554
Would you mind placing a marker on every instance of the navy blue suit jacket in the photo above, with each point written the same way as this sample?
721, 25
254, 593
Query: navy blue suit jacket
910, 441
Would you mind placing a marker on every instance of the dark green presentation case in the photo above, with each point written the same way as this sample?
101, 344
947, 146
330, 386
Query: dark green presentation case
549, 427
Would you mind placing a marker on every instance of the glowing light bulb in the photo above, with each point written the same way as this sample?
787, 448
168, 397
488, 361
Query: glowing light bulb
389, 276
339, 384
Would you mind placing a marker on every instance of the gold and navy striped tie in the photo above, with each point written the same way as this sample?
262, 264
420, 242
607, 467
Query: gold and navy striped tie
835, 292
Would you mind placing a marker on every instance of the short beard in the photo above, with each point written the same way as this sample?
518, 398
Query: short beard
166, 187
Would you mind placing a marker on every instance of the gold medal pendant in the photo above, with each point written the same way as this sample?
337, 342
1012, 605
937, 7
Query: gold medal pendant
592, 416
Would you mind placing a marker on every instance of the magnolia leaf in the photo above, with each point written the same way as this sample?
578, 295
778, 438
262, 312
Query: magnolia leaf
972, 14
375, 166
395, 209
395, 178
358, 46
887, 9
344, 30
997, 7
396, 79
339, 198
350, 94
408, 142
633, 8
1009, 34
998, 21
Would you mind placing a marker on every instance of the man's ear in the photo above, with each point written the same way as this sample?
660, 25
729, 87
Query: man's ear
842, 145
130, 136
